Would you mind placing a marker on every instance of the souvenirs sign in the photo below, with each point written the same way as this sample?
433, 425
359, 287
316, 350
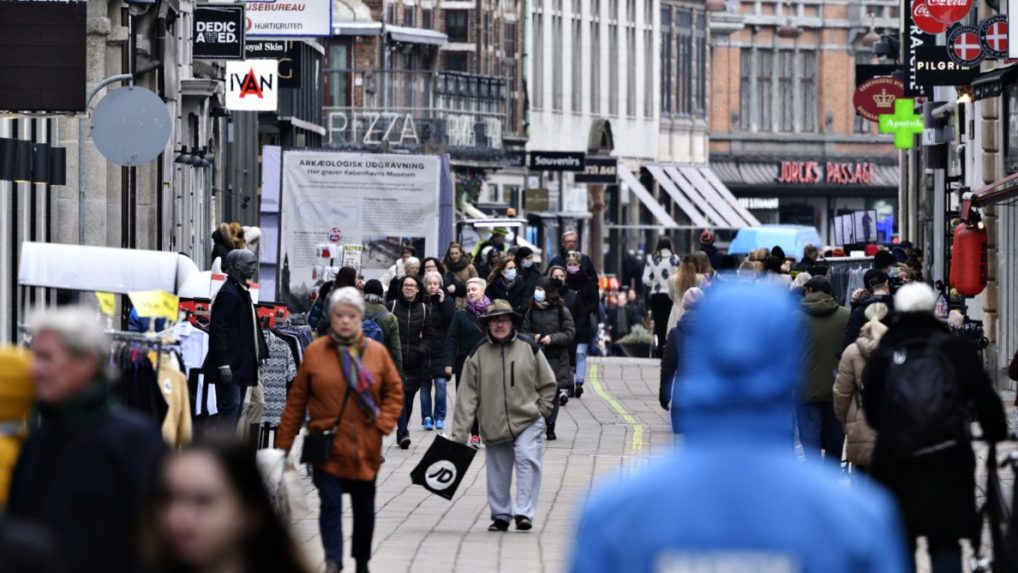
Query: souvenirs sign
963, 46
876, 97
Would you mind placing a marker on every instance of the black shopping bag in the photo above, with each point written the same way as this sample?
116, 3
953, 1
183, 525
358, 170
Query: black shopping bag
443, 466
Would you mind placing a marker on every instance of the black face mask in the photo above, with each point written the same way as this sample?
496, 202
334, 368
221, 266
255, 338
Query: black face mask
559, 282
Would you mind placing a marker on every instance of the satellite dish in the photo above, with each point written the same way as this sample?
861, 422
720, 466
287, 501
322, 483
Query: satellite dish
131, 126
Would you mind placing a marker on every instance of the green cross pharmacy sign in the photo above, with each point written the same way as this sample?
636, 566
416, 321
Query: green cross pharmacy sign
903, 123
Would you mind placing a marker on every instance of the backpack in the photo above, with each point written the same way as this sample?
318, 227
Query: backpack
371, 328
923, 405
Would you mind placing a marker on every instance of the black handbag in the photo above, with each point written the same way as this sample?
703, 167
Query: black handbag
318, 445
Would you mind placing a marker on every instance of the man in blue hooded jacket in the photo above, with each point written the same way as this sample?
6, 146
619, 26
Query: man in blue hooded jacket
734, 497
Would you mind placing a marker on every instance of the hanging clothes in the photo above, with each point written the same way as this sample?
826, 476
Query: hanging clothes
177, 431
136, 387
277, 374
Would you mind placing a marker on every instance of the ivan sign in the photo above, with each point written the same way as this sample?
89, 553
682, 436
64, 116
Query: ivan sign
252, 85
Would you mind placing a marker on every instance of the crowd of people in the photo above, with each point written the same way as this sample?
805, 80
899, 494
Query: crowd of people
746, 348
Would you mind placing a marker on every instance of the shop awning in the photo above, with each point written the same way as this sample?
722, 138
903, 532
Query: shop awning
416, 36
357, 28
102, 269
991, 84
997, 192
702, 196
645, 197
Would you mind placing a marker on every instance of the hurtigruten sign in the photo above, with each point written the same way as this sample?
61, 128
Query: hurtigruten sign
825, 172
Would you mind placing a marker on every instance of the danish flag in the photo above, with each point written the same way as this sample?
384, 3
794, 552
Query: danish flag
996, 37
966, 46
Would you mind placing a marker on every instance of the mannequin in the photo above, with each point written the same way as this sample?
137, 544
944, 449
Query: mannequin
236, 344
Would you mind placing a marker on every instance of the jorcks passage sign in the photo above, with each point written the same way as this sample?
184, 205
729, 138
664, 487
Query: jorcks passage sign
288, 18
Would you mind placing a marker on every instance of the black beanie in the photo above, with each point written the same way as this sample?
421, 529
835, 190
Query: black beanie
373, 286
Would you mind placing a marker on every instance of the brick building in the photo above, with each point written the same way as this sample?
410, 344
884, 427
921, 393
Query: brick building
784, 135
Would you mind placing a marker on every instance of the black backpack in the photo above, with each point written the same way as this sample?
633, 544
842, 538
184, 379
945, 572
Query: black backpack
923, 410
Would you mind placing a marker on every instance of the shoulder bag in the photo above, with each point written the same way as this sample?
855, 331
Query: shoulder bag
318, 445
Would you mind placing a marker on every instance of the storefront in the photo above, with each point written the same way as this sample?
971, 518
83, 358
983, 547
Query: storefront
814, 191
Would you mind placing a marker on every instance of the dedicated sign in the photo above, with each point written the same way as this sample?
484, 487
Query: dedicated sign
993, 36
963, 46
949, 11
557, 161
298, 18
876, 97
603, 170
252, 85
926, 22
219, 32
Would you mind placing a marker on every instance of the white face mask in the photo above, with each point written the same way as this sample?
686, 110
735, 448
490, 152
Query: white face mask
510, 274
539, 295
528, 263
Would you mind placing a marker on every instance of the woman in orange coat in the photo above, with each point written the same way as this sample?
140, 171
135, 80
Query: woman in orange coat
372, 406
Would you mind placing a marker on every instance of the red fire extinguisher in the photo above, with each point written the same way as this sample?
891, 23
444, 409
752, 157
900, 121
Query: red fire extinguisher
968, 260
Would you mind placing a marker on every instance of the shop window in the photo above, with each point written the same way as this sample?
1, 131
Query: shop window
456, 25
456, 62
337, 74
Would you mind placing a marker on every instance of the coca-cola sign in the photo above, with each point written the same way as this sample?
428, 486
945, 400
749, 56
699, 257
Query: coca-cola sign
949, 11
926, 22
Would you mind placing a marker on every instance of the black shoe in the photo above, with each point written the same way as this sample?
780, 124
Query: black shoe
499, 525
551, 435
579, 390
362, 567
404, 442
571, 391
563, 398
524, 523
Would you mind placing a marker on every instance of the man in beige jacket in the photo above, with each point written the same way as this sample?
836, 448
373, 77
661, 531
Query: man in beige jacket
510, 387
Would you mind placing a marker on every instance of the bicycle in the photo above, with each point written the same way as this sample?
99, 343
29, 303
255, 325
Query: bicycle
1002, 521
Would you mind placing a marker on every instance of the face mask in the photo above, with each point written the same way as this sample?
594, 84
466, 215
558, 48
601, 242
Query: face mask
528, 263
539, 295
510, 274
893, 273
572, 270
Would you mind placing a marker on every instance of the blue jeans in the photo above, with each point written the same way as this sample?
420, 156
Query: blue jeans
230, 402
439, 412
581, 363
819, 429
330, 518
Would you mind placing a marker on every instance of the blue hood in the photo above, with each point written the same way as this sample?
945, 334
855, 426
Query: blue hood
741, 366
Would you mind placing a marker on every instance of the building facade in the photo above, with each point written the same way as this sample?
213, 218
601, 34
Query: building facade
785, 137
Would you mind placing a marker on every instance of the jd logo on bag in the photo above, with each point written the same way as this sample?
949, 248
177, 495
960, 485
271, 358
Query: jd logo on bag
443, 466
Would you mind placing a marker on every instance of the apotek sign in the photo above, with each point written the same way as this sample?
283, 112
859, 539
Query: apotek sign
219, 32
252, 85
829, 172
295, 18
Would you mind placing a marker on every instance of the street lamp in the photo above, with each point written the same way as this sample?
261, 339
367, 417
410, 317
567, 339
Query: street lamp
788, 30
872, 37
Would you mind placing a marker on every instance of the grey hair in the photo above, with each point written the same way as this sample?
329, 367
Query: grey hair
79, 328
478, 280
412, 261
346, 295
435, 274
915, 297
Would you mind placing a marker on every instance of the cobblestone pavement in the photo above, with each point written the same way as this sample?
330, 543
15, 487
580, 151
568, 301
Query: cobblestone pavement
616, 428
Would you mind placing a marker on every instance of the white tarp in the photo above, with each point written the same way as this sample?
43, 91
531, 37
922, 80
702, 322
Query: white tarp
380, 201
102, 269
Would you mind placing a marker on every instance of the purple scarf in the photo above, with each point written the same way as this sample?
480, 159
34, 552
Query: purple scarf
479, 308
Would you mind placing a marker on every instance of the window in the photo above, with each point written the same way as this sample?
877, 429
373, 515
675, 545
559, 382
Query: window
426, 18
337, 85
667, 63
745, 91
684, 61
786, 90
631, 66
456, 62
701, 64
595, 56
808, 88
648, 73
557, 58
576, 62
862, 125
408, 17
456, 25
613, 68
538, 89
764, 84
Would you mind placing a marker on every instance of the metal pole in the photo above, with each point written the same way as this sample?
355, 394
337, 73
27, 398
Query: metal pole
81, 149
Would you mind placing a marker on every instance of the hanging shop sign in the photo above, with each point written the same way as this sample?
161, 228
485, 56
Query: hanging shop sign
252, 85
266, 49
876, 97
283, 18
903, 123
602, 170
288, 54
515, 159
825, 172
926, 22
963, 46
915, 40
1012, 31
557, 161
993, 36
934, 67
864, 72
949, 11
218, 32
